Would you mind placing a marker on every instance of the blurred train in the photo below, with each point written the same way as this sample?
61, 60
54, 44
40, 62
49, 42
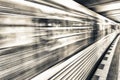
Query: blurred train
37, 34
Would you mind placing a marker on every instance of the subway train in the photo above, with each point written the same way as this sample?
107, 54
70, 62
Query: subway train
37, 34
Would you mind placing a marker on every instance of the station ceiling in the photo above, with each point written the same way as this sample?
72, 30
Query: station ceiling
107, 8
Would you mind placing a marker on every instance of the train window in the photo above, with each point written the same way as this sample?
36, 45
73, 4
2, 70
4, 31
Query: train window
113, 27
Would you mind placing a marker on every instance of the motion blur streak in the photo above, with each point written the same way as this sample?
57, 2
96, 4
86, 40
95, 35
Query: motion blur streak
37, 34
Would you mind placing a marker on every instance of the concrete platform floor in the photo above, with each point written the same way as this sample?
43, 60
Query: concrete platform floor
114, 70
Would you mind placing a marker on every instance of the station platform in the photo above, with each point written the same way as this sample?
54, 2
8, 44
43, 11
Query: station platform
114, 71
109, 67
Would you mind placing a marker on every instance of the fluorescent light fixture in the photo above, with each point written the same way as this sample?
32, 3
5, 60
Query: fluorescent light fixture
107, 7
113, 12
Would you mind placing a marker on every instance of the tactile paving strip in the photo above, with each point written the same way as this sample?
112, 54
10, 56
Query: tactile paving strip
103, 69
